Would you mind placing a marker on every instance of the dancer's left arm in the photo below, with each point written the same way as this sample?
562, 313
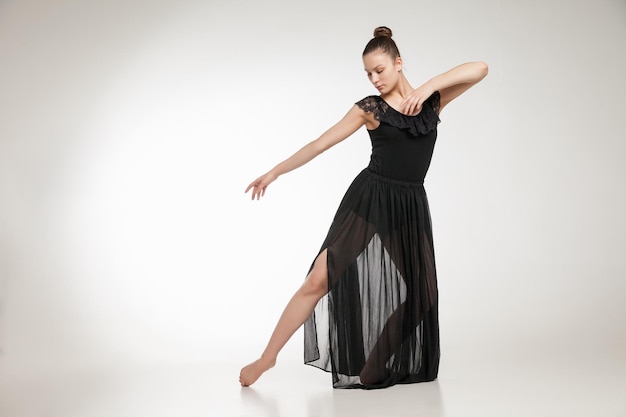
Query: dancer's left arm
450, 85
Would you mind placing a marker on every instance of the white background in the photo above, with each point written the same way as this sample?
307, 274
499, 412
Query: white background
130, 129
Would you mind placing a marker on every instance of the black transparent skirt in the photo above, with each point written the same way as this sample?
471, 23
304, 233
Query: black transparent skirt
378, 325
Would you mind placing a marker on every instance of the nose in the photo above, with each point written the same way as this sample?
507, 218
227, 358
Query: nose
374, 78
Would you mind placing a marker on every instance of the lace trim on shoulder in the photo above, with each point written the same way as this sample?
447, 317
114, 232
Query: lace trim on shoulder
421, 124
434, 101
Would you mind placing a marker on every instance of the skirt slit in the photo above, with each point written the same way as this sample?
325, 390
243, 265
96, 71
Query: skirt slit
382, 283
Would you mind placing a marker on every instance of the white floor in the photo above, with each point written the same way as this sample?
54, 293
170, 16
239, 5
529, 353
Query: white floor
582, 386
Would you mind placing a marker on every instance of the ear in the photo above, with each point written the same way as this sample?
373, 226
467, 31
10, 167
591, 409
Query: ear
398, 64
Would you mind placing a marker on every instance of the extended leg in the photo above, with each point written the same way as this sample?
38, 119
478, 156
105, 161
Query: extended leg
295, 314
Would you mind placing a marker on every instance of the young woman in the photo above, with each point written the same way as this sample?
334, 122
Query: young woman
369, 302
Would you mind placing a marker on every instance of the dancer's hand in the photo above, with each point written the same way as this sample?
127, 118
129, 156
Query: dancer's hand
412, 104
259, 185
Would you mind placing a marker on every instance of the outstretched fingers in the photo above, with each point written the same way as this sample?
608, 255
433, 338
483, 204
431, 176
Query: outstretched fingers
259, 185
258, 189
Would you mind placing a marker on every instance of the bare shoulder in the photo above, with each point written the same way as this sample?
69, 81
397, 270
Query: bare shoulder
357, 116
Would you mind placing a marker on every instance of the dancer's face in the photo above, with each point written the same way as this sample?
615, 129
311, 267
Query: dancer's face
382, 71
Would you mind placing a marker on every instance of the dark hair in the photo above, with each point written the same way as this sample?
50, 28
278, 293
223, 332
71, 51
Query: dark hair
382, 42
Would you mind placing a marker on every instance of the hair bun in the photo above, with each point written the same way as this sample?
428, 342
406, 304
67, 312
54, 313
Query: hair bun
382, 31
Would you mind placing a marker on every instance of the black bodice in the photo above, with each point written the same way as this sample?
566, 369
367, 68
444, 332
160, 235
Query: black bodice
402, 146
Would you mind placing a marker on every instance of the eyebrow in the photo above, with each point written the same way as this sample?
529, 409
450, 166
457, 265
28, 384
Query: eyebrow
379, 65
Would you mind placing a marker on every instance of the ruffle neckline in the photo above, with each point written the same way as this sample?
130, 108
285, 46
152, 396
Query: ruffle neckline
420, 124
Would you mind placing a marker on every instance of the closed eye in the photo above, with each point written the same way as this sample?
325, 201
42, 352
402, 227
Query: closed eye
377, 70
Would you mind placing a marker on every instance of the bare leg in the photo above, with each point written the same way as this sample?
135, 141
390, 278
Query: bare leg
295, 314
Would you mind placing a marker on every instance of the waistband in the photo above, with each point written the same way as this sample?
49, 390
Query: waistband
373, 175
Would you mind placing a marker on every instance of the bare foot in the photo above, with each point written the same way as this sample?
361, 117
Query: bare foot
251, 372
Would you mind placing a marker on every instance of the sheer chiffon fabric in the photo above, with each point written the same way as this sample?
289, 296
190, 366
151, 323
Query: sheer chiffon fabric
378, 324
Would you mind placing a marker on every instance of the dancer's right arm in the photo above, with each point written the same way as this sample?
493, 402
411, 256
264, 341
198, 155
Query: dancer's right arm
350, 123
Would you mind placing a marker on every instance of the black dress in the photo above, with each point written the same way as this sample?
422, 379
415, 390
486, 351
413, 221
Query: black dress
378, 324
